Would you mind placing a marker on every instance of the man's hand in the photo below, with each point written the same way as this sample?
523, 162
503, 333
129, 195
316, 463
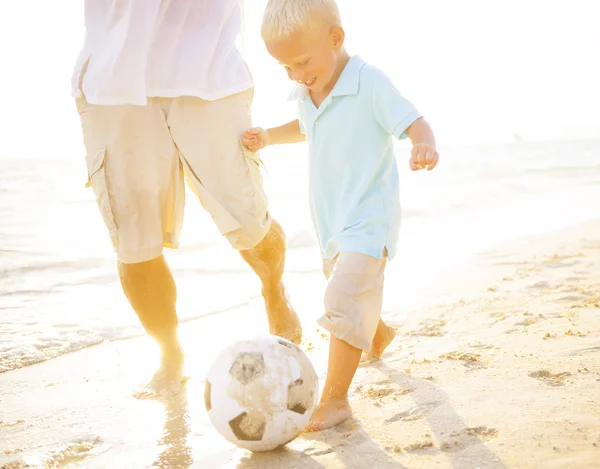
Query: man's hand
256, 138
423, 156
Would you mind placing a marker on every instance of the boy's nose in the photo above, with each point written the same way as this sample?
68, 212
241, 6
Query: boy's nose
298, 77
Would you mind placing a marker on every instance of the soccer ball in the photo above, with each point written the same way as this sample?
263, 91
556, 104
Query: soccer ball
260, 393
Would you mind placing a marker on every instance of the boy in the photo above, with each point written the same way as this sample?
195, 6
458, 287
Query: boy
349, 112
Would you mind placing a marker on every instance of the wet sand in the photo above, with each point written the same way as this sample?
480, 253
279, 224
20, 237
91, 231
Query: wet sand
500, 370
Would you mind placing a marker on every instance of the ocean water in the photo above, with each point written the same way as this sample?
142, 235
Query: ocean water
58, 286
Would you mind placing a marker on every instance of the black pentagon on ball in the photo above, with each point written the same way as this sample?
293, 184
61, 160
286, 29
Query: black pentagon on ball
300, 397
207, 389
247, 367
247, 427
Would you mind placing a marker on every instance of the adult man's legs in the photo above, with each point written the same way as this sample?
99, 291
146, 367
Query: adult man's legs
135, 172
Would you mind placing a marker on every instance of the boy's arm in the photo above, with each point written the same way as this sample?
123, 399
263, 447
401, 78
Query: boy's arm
258, 138
423, 154
400, 118
287, 133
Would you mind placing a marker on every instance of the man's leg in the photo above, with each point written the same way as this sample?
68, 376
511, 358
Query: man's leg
226, 178
151, 291
267, 259
135, 172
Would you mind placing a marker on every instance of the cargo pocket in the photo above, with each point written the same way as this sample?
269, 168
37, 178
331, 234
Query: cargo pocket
252, 157
255, 186
97, 181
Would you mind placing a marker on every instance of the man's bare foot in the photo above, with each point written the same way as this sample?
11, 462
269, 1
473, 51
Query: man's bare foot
166, 382
283, 320
169, 378
329, 413
384, 337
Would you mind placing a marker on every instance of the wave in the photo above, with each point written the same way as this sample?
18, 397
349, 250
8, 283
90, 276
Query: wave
71, 264
32, 354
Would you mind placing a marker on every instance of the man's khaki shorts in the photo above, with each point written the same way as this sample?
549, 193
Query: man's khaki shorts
137, 157
353, 297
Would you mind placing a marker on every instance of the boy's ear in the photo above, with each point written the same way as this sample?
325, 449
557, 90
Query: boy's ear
338, 35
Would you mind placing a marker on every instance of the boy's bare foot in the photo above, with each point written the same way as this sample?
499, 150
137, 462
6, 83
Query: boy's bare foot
283, 320
328, 414
384, 337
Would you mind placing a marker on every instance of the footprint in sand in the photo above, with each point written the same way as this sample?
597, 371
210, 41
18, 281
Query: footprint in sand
485, 432
551, 379
557, 260
498, 316
479, 346
11, 424
526, 272
415, 447
582, 351
379, 392
469, 360
459, 440
430, 328
575, 279
414, 413
543, 285
570, 298
529, 319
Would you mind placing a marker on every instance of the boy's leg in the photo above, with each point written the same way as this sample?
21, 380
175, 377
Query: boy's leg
334, 407
383, 337
384, 334
226, 177
352, 308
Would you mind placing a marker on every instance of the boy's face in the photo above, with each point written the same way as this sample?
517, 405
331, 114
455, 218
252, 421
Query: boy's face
310, 57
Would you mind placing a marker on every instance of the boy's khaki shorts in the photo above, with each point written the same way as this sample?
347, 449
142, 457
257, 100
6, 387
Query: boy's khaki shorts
353, 297
137, 157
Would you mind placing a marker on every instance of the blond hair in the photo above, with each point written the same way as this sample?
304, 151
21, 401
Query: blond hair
283, 17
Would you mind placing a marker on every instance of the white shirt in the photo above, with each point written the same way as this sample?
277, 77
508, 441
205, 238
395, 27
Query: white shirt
160, 48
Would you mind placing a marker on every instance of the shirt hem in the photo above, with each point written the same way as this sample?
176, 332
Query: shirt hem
176, 93
376, 253
160, 93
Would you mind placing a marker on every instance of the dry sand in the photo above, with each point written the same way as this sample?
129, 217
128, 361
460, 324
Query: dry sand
503, 373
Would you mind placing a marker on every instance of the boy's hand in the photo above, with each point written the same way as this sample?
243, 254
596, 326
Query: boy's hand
423, 156
256, 138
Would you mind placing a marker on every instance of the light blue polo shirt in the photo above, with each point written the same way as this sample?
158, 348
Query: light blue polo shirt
353, 175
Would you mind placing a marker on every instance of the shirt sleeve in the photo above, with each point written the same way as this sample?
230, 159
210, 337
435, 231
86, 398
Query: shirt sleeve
393, 111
